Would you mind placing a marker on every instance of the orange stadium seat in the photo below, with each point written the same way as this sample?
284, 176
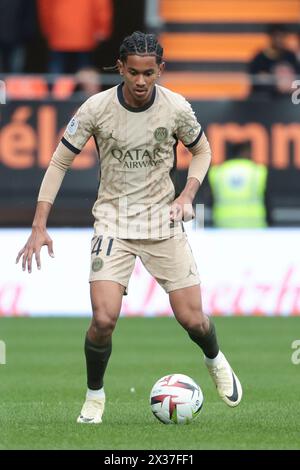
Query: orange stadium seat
259, 11
63, 88
216, 46
26, 87
200, 85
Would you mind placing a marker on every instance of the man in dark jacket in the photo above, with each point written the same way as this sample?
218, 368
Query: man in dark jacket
274, 68
17, 25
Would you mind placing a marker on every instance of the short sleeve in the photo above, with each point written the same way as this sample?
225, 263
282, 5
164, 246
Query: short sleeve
79, 129
188, 129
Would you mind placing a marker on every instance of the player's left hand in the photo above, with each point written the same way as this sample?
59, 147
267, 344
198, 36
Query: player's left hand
182, 209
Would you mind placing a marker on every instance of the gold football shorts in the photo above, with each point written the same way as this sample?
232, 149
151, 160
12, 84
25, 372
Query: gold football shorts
170, 261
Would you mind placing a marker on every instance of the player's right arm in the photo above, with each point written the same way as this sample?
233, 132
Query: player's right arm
60, 162
38, 238
77, 133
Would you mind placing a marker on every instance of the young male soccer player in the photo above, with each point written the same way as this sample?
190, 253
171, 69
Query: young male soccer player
136, 126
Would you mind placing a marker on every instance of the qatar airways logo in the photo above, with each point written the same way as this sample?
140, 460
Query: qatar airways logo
138, 158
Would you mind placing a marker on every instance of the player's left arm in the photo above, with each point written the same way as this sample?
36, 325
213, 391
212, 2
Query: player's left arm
182, 206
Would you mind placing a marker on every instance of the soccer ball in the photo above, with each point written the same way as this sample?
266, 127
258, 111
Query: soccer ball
176, 399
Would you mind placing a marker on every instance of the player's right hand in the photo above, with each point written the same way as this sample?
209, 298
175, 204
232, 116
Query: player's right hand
37, 239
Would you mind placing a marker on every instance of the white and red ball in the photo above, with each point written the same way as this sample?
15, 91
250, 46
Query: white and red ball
176, 399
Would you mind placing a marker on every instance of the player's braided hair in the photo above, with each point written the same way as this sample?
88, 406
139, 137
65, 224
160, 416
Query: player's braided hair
139, 44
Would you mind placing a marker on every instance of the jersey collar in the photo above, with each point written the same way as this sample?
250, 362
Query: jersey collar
131, 108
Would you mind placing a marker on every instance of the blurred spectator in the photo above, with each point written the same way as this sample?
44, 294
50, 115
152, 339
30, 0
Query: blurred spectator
239, 191
73, 29
274, 68
17, 26
153, 19
88, 82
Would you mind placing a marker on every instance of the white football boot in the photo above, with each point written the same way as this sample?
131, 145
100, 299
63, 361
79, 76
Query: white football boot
92, 411
227, 383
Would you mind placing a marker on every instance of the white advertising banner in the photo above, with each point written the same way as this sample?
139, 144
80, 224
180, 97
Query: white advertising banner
243, 272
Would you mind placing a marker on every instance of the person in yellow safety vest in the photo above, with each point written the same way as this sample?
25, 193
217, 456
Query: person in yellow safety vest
239, 188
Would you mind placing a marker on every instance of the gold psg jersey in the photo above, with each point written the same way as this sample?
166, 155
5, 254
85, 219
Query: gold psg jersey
137, 153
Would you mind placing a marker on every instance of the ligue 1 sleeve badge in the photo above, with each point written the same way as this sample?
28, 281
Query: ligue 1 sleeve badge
72, 126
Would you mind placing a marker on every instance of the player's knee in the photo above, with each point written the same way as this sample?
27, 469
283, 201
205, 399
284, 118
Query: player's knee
200, 328
196, 326
103, 324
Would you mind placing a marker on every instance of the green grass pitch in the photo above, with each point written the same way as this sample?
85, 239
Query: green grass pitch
42, 385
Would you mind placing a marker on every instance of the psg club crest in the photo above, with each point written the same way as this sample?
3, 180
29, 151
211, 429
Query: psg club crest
97, 264
160, 134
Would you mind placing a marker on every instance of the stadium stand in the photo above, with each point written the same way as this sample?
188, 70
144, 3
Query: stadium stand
207, 44
210, 38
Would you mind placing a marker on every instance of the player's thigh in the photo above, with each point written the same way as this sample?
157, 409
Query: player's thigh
171, 262
111, 260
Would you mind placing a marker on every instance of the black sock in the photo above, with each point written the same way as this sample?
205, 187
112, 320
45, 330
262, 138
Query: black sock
96, 361
208, 343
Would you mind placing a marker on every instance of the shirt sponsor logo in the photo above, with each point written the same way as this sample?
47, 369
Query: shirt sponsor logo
137, 158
